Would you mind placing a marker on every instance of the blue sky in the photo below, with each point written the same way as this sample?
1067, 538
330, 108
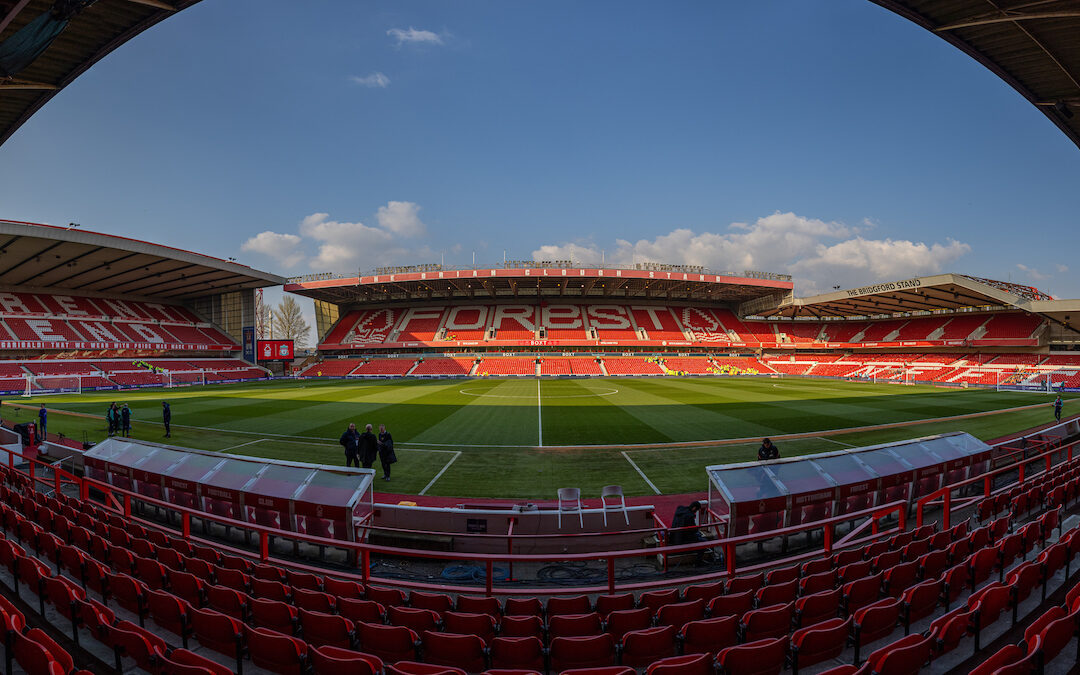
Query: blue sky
829, 139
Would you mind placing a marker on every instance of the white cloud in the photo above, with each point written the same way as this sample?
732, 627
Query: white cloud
375, 80
817, 253
1034, 273
414, 36
1062, 269
284, 248
401, 218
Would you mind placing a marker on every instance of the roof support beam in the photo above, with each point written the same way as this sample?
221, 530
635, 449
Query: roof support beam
154, 3
1008, 17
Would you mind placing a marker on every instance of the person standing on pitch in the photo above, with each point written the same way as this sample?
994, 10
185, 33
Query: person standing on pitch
166, 418
386, 451
350, 440
369, 447
1057, 410
43, 418
125, 421
111, 418
767, 451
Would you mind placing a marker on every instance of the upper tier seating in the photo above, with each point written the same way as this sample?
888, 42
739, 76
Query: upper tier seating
1012, 326
961, 327
921, 328
659, 323
842, 331
54, 318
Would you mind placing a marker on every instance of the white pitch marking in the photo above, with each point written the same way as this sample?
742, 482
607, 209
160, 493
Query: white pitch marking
439, 475
846, 445
233, 447
539, 417
606, 392
640, 472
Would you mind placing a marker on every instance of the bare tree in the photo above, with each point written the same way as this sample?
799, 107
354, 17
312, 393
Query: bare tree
288, 323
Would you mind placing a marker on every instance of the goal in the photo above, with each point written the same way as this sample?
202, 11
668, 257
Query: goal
40, 385
1025, 381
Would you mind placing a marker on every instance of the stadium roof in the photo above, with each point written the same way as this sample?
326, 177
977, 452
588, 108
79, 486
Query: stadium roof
525, 280
1034, 45
45, 256
89, 37
940, 292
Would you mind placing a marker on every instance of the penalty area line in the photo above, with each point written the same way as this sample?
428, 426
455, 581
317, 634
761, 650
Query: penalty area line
640, 472
233, 447
439, 475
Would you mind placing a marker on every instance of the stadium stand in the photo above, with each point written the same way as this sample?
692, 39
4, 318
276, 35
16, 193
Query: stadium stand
444, 366
632, 366
506, 366
659, 323
1012, 326
689, 364
384, 367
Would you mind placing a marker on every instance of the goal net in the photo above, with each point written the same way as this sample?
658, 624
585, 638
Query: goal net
1025, 381
38, 385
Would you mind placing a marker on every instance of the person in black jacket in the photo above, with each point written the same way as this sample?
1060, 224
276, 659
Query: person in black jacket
166, 418
683, 530
351, 441
767, 451
368, 447
386, 451
125, 421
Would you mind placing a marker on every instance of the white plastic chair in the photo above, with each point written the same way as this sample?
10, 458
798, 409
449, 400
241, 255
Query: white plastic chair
570, 502
613, 492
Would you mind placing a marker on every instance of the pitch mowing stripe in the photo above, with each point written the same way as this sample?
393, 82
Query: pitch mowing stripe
439, 475
539, 417
641, 473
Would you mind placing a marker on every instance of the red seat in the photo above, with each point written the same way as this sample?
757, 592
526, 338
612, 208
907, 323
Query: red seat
270, 590
450, 649
35, 656
234, 579
387, 597
988, 603
304, 580
187, 587
577, 604
327, 629
778, 593
228, 601
623, 621
1053, 630
419, 620
342, 588
1007, 655
415, 668
906, 656
276, 652
704, 592
466, 623
219, 632
900, 577
129, 640
389, 643
761, 657
606, 604
654, 600
642, 647
276, 616
478, 604
522, 607
361, 610
811, 609
735, 604
151, 572
981, 565
745, 583
955, 581
171, 613
771, 622
573, 625
184, 662
948, 629
316, 601
920, 601
517, 653
268, 572
582, 652
1022, 580
875, 621
436, 602
335, 661
678, 613
709, 635
818, 643
863, 592
521, 626
689, 664
816, 583
855, 571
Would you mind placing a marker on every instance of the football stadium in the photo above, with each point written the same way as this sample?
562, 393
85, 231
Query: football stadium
595, 468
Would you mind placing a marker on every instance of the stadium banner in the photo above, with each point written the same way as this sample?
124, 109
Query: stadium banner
249, 344
275, 350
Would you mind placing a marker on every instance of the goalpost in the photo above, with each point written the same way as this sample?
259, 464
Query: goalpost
41, 385
1034, 382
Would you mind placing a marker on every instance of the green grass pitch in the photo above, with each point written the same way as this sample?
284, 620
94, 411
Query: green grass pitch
501, 437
